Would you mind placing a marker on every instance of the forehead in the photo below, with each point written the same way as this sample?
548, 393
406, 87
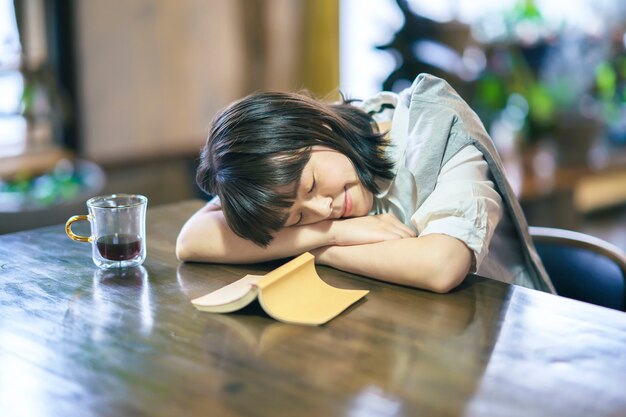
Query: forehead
321, 154
319, 157
323, 160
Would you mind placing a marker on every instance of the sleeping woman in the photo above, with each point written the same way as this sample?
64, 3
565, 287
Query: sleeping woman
406, 188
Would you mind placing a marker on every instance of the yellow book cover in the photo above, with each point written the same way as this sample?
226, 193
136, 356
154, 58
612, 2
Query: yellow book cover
292, 293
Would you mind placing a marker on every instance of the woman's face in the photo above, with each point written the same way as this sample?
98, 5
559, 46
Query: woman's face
329, 189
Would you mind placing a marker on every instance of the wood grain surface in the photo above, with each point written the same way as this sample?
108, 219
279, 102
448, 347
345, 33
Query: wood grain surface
78, 341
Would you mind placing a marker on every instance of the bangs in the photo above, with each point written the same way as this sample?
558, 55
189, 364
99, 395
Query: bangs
260, 192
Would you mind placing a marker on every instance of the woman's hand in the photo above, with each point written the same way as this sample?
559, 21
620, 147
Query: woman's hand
369, 229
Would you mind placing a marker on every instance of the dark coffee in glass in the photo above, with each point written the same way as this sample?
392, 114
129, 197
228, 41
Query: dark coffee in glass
119, 247
118, 230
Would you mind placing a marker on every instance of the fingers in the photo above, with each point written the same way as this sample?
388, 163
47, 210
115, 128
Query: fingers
396, 226
369, 229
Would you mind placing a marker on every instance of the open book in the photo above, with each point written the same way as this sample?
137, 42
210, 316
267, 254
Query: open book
292, 293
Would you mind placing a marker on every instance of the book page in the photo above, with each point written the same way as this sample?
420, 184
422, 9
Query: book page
294, 293
230, 298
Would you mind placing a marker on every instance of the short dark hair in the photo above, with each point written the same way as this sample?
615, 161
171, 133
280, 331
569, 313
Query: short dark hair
258, 146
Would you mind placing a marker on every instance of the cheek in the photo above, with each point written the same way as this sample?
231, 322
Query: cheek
347, 171
362, 199
337, 176
367, 200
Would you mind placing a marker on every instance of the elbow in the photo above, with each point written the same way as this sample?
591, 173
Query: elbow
182, 253
190, 250
199, 240
446, 282
447, 274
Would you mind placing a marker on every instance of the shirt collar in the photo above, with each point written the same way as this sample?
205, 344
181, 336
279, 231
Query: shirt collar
397, 137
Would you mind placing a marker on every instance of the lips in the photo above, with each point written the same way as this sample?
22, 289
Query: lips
347, 204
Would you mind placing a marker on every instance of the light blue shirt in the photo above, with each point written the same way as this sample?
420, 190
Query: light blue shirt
460, 193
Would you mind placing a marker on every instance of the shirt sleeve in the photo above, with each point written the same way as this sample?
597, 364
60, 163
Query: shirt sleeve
464, 204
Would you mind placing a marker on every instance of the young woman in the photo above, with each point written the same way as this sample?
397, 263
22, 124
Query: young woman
405, 188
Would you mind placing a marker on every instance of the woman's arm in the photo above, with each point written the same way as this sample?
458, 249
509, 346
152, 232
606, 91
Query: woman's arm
206, 237
456, 223
434, 262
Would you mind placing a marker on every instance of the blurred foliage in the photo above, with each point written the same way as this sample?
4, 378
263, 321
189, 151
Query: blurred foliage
537, 71
610, 88
64, 183
525, 74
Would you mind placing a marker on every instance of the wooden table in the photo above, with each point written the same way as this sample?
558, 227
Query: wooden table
76, 341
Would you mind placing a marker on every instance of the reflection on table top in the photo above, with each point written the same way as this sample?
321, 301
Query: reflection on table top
76, 341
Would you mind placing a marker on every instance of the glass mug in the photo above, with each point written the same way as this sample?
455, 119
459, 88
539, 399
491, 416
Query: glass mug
118, 230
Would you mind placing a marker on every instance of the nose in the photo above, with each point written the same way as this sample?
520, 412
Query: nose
319, 208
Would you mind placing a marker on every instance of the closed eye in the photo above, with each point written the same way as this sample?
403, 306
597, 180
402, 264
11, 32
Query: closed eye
299, 220
312, 185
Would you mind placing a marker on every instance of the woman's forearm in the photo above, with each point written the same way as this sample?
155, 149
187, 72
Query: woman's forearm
435, 262
206, 237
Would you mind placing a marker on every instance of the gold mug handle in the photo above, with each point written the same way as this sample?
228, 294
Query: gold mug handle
68, 228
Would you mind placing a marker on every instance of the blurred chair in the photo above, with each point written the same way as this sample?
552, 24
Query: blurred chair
583, 267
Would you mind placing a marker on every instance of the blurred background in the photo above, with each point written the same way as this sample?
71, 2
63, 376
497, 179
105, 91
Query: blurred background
117, 96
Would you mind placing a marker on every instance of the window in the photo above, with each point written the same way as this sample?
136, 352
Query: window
12, 122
